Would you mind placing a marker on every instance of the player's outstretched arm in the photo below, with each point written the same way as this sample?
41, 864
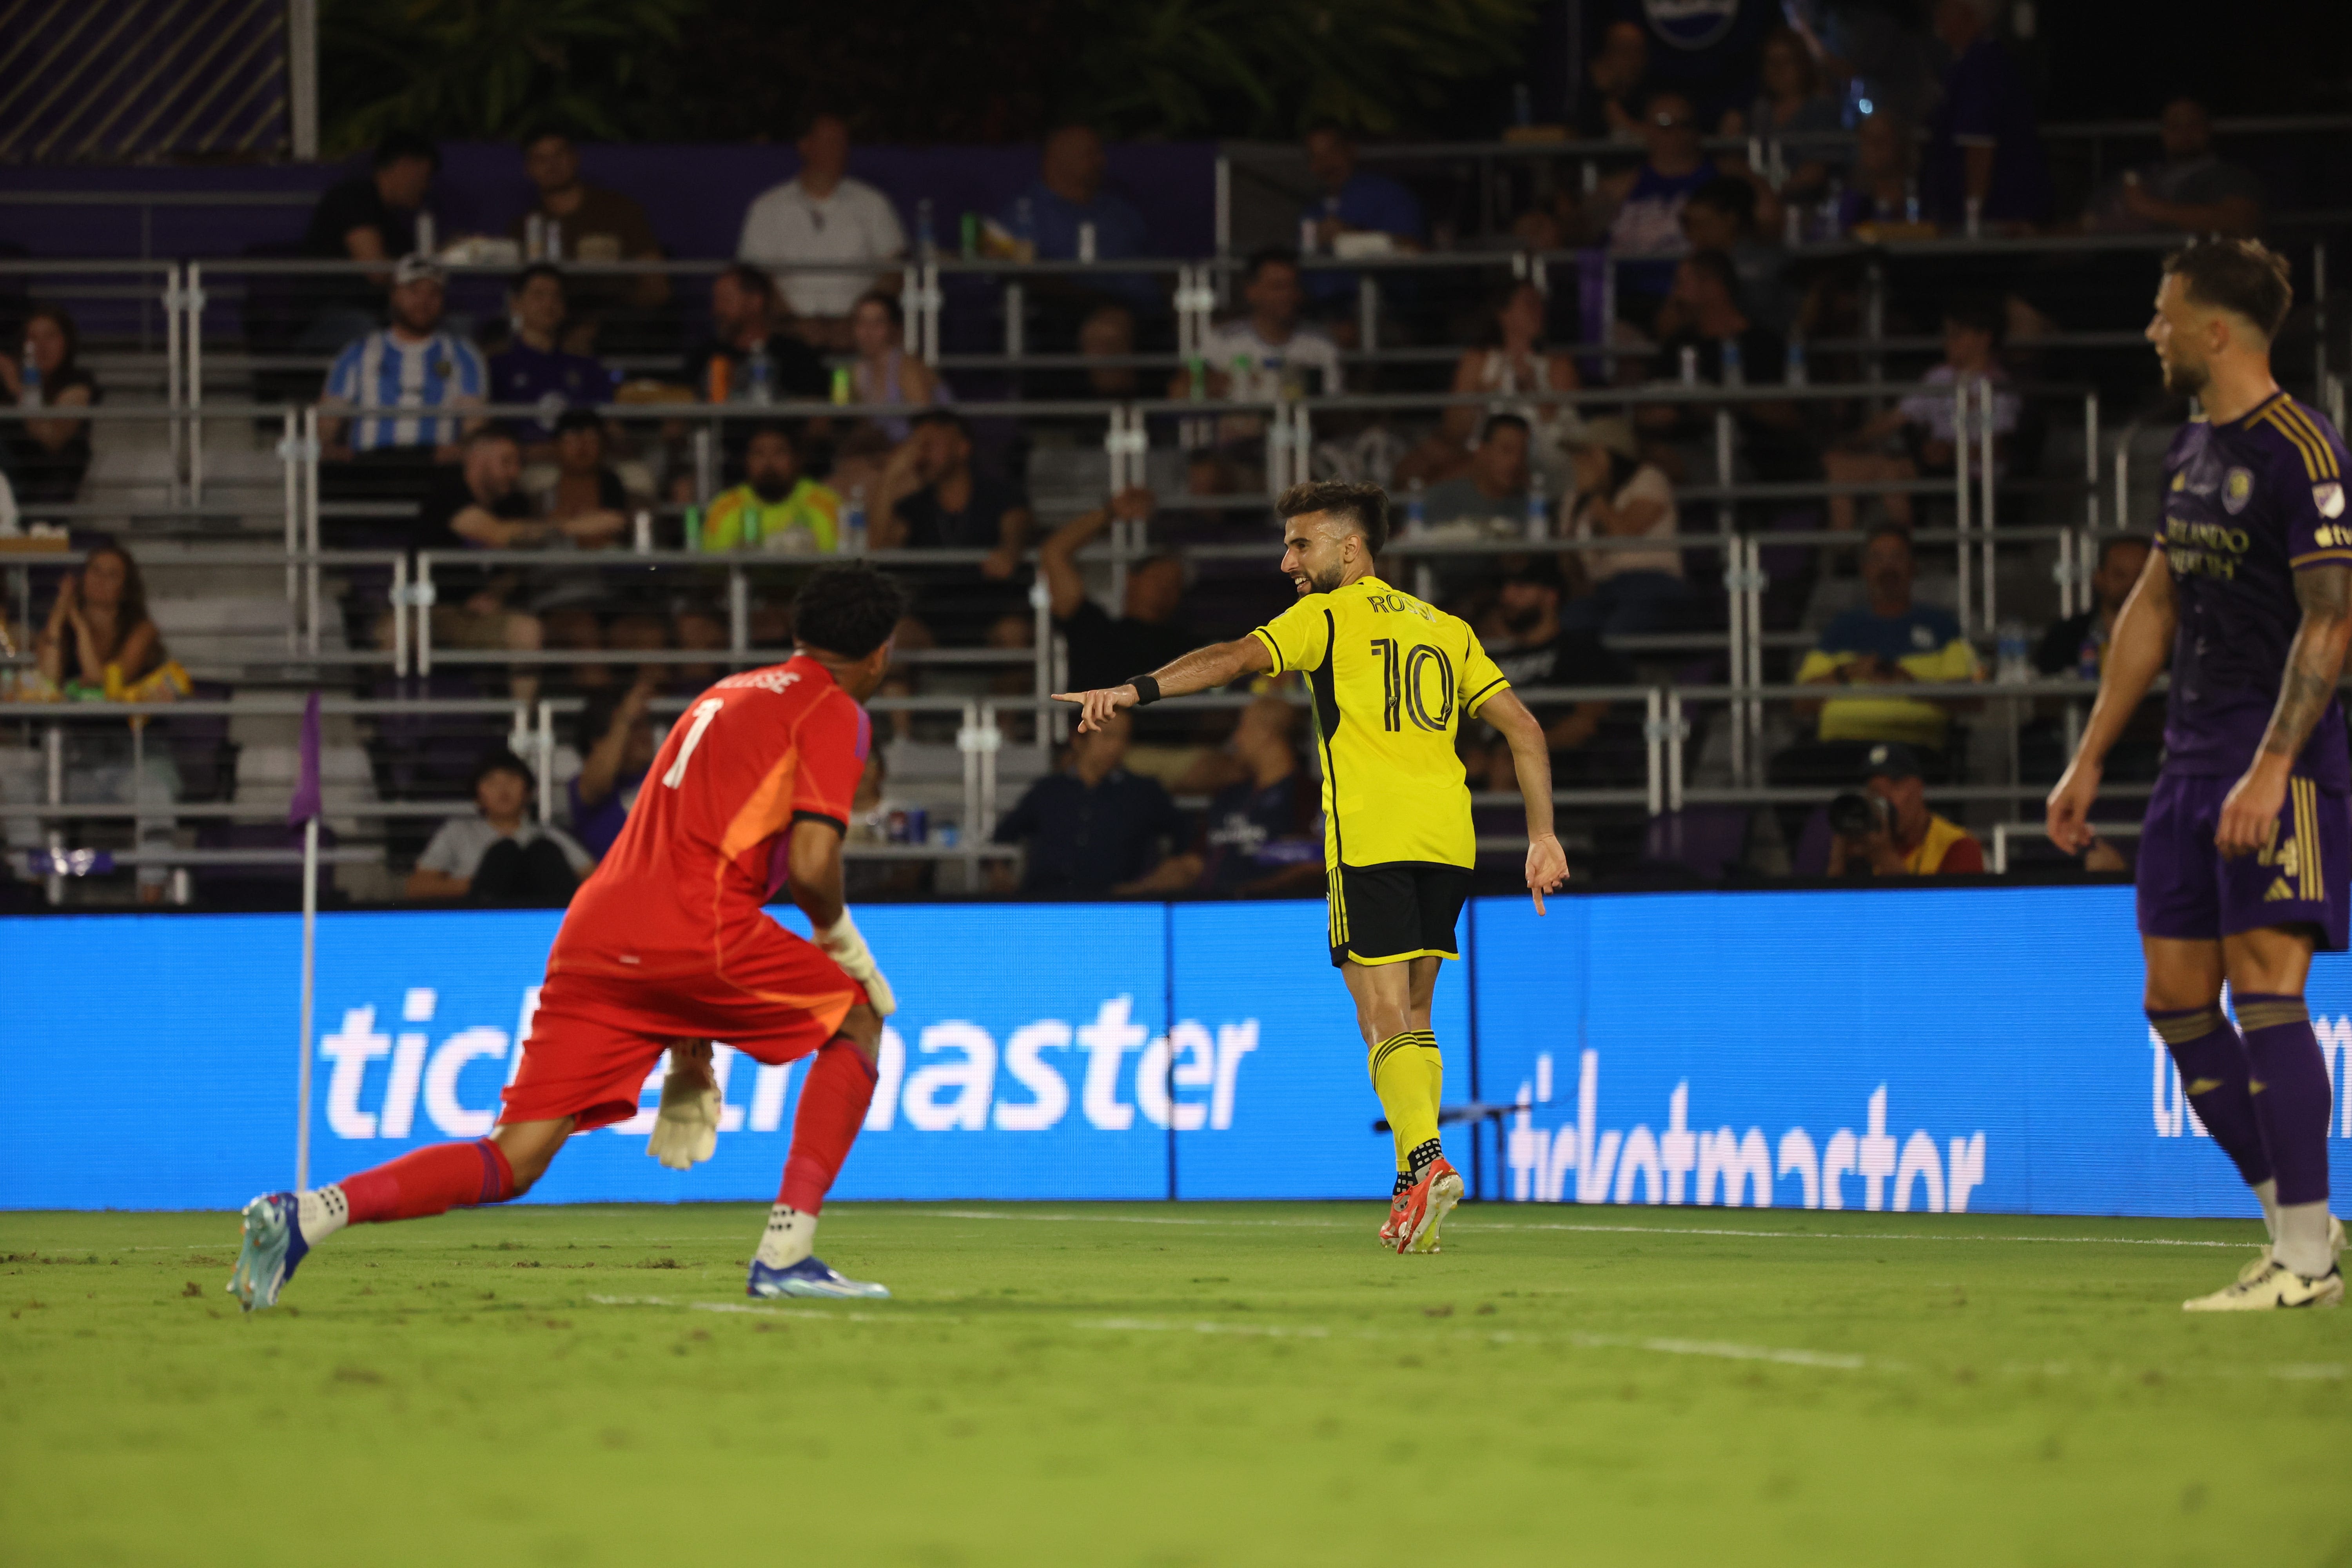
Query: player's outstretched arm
1531, 759
2135, 653
812, 877
1202, 669
2315, 663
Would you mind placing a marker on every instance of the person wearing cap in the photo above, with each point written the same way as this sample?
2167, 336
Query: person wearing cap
499, 855
1910, 840
1620, 497
414, 362
1537, 649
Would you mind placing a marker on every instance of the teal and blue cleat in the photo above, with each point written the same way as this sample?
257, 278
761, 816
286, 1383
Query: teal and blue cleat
810, 1276
273, 1250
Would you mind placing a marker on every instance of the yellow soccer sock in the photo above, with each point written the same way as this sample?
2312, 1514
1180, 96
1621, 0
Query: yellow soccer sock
1403, 1083
1434, 1060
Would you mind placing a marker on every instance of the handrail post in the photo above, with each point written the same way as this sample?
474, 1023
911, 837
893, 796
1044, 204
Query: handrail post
1367, 312
424, 596
192, 307
1989, 475
310, 517
1677, 728
544, 737
173, 390
1756, 582
1015, 325
1653, 731
738, 611
399, 615
289, 454
1735, 608
1964, 589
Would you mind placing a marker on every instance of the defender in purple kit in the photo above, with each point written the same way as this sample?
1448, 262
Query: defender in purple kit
2247, 845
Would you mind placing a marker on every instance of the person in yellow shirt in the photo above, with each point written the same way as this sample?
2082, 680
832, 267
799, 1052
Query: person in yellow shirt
776, 509
1393, 680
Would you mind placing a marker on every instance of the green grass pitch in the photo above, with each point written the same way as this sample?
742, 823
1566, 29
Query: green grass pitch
1158, 1385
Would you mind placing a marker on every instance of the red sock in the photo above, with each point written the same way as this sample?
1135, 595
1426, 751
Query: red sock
833, 1108
431, 1181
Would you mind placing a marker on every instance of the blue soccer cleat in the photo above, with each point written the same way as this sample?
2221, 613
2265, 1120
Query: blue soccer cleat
273, 1250
810, 1276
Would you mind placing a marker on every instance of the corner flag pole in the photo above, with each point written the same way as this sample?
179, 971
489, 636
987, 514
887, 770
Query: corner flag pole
304, 809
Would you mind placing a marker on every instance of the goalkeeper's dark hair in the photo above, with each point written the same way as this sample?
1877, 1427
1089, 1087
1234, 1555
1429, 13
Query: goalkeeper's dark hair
849, 611
1365, 506
2245, 276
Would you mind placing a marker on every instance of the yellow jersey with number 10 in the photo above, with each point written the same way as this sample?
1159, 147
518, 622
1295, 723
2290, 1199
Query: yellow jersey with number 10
1393, 679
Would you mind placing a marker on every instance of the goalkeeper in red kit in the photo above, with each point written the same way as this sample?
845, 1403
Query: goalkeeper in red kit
668, 946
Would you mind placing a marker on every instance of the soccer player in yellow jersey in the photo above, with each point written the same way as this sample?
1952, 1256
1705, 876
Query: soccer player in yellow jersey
1393, 680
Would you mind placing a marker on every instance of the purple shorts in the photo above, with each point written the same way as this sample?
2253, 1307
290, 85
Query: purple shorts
2189, 891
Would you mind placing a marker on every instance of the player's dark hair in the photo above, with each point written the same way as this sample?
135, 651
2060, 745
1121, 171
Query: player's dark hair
538, 133
539, 269
1366, 506
1270, 256
888, 301
399, 144
1715, 264
752, 281
783, 428
488, 433
499, 760
1890, 529
1980, 310
1735, 199
1493, 422
847, 611
2241, 275
572, 419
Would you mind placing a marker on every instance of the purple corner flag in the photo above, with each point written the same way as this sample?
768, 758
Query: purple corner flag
305, 804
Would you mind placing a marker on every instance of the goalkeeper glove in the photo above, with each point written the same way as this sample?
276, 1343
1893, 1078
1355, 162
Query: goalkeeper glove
842, 942
686, 1130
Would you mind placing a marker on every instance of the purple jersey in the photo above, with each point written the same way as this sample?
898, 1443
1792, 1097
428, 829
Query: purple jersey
2246, 506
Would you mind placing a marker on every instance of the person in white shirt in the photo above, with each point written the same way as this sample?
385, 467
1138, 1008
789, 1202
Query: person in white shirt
1618, 496
1263, 356
825, 215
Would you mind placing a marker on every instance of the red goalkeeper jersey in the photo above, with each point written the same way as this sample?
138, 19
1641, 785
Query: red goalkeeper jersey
681, 889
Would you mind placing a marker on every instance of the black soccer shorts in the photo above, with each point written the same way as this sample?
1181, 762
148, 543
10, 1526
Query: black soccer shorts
1405, 909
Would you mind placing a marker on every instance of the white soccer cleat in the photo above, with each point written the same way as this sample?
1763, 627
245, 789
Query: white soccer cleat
2262, 1260
2274, 1287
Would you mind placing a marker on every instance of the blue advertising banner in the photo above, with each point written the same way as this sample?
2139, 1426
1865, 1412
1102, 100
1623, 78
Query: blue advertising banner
1910, 1051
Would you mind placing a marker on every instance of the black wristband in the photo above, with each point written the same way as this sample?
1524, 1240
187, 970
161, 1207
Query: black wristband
1147, 690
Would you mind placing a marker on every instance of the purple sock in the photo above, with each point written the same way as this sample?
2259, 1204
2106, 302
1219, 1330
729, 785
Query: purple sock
2213, 1071
2290, 1092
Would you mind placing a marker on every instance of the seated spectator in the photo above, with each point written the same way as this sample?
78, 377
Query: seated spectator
535, 367
414, 362
2189, 189
1104, 648
1882, 646
479, 505
1984, 148
1352, 201
884, 373
1706, 319
1491, 497
1068, 193
1267, 357
1922, 423
821, 215
1609, 107
1093, 828
1721, 216
1260, 838
749, 333
777, 508
1537, 650
1791, 100
46, 459
367, 217
934, 499
616, 748
1898, 835
499, 857
1511, 361
2076, 648
590, 507
99, 641
1638, 213
581, 222
1107, 333
1618, 496
1886, 188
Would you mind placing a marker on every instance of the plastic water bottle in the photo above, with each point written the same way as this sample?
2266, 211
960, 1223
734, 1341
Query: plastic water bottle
970, 238
1416, 508
2016, 665
693, 540
927, 244
749, 531
1690, 365
761, 377
28, 383
1539, 516
1025, 226
641, 528
1975, 218
853, 522
1792, 225
1735, 373
554, 239
424, 234
1306, 236
1794, 373
1086, 243
534, 237
843, 394
1910, 201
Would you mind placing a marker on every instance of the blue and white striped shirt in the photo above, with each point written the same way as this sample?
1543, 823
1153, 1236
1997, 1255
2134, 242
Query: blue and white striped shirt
383, 371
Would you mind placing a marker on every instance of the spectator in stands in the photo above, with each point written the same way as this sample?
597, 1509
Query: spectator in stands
367, 217
2190, 188
749, 323
616, 748
1107, 334
1921, 425
478, 504
499, 857
535, 367
885, 373
1105, 649
1639, 213
2076, 647
581, 222
414, 362
1491, 495
1791, 100
588, 502
777, 508
1618, 496
1539, 651
1260, 838
1905, 838
1354, 200
1263, 356
1512, 362
1721, 216
1984, 148
821, 215
1093, 828
99, 640
934, 498
1888, 642
46, 458
1706, 321
1609, 107
1886, 188
1068, 193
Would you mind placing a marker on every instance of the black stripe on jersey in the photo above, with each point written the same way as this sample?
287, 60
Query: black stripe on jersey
1326, 692
1479, 695
832, 822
